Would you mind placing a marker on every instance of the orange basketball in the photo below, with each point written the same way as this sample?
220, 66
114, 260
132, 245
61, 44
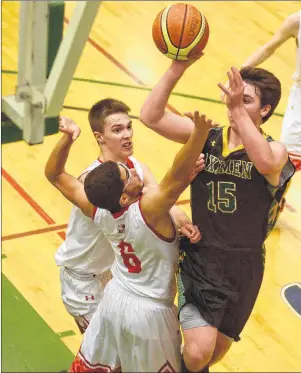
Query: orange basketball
180, 31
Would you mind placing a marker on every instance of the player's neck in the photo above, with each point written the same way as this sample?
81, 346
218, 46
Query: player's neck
233, 139
106, 155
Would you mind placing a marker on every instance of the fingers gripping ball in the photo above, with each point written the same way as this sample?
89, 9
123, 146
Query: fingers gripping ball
180, 32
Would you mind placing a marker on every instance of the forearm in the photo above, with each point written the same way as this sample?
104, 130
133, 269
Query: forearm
189, 153
256, 146
58, 158
179, 217
153, 108
262, 54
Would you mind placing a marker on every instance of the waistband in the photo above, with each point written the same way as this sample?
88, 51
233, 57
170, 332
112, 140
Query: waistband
87, 276
122, 290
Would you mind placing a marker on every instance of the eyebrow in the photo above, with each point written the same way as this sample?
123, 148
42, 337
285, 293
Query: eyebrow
121, 125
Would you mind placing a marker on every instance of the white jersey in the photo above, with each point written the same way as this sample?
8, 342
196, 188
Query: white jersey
85, 248
291, 127
145, 263
297, 74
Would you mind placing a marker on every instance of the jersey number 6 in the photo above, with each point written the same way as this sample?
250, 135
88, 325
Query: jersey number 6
130, 260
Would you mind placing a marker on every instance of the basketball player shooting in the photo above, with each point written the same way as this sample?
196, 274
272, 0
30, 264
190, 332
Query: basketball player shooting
236, 202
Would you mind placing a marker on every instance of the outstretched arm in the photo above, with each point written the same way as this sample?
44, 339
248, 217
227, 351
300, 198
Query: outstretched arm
55, 172
153, 112
161, 199
182, 221
286, 31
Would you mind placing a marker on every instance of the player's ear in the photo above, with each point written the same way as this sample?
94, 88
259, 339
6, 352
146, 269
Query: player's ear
124, 200
99, 137
265, 111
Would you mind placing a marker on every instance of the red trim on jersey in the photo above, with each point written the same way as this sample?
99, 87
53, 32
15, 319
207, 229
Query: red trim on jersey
296, 163
294, 155
159, 235
94, 211
130, 163
120, 213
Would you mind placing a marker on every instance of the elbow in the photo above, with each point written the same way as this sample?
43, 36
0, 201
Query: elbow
149, 119
49, 176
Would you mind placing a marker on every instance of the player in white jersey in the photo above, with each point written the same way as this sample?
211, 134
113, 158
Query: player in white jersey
86, 256
135, 327
291, 128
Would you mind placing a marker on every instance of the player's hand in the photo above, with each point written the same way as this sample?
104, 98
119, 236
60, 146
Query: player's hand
199, 166
191, 231
223, 95
234, 93
200, 121
180, 66
66, 125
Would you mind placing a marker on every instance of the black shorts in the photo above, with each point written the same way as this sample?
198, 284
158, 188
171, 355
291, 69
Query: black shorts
222, 284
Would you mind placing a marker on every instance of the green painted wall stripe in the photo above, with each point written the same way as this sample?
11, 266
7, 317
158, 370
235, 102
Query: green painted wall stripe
66, 333
28, 343
193, 97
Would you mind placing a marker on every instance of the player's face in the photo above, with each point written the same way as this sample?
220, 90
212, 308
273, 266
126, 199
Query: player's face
117, 135
133, 185
252, 104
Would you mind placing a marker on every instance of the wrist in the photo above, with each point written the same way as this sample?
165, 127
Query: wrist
177, 69
237, 110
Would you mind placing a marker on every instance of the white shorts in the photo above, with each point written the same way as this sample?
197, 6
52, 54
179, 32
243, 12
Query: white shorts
291, 127
81, 293
130, 334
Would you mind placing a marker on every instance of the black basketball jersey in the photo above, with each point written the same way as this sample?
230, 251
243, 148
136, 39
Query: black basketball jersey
232, 203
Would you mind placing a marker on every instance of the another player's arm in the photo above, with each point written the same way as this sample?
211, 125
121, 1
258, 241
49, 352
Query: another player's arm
268, 158
69, 186
160, 200
182, 221
153, 113
285, 32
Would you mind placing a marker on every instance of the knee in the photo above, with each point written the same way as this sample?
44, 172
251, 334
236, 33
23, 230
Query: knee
197, 357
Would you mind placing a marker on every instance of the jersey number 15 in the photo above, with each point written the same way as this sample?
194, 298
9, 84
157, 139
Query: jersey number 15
222, 196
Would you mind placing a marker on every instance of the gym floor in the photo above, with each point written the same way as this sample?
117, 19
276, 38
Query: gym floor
120, 60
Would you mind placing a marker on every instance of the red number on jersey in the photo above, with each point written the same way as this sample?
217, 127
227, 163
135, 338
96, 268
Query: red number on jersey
130, 260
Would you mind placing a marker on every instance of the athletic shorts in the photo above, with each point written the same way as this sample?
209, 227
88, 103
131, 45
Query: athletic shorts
222, 285
81, 293
130, 334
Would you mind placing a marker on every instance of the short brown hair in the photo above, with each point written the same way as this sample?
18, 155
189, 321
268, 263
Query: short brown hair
104, 186
266, 83
101, 109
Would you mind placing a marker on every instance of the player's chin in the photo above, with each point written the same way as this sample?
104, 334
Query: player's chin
128, 151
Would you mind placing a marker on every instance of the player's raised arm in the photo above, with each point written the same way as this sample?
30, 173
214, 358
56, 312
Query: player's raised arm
287, 30
55, 172
268, 158
153, 112
177, 178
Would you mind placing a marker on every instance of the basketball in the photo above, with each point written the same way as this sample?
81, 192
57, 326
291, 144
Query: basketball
180, 31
